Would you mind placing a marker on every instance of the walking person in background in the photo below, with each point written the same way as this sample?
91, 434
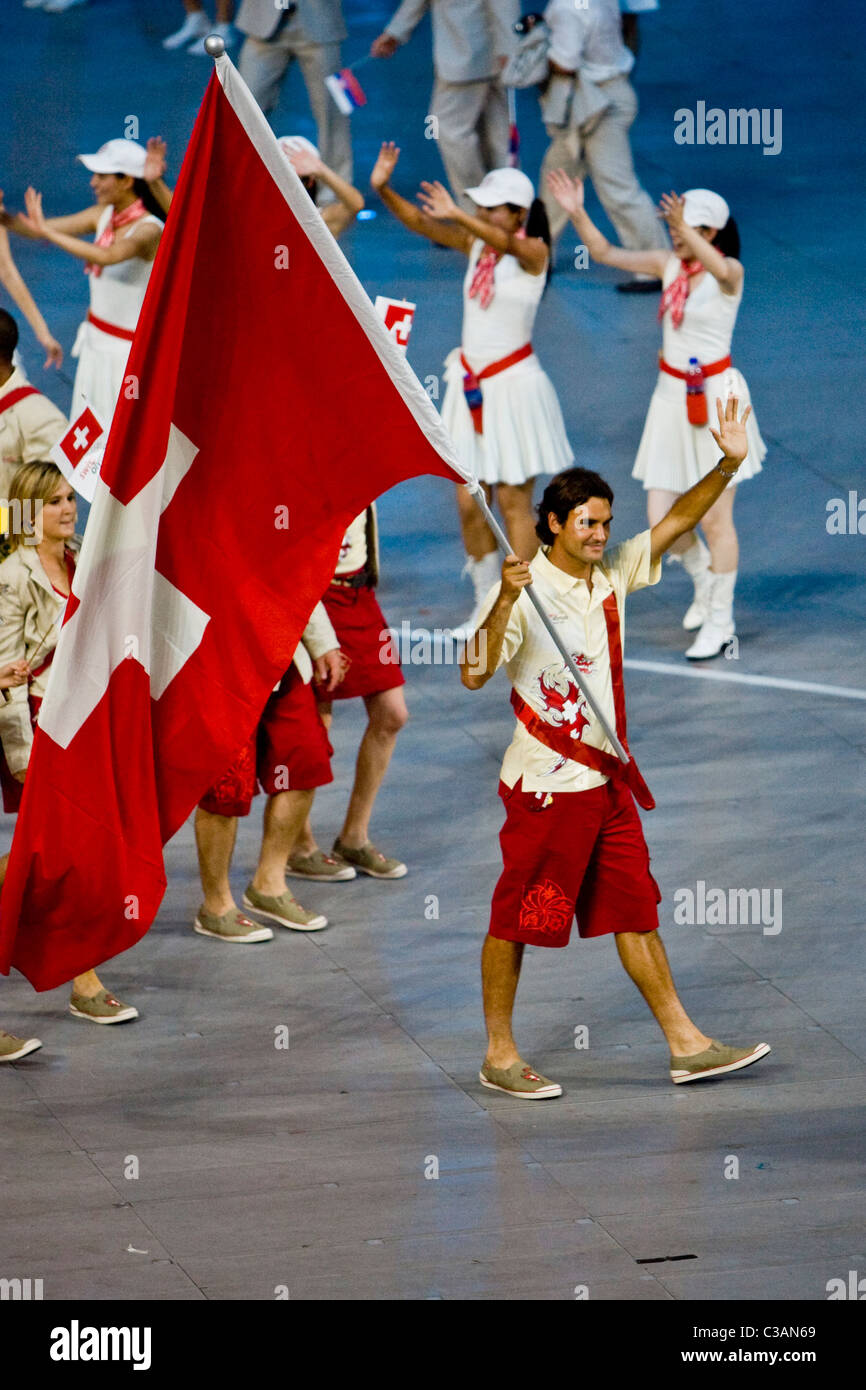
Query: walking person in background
196, 27
472, 40
309, 31
35, 582
499, 406
703, 288
589, 107
127, 221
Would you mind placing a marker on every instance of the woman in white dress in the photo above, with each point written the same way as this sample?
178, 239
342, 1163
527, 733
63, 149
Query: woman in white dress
702, 284
127, 219
499, 406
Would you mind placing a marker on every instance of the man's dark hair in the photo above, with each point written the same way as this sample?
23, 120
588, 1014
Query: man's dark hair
8, 336
569, 489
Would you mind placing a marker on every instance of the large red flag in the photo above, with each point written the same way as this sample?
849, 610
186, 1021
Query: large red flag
272, 407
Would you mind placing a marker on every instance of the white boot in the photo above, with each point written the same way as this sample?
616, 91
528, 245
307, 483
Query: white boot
484, 574
718, 627
696, 563
195, 26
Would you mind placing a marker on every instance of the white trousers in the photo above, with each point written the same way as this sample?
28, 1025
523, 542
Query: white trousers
472, 119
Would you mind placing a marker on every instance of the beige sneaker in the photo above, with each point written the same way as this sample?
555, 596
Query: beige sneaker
12, 1049
319, 868
101, 1008
370, 860
716, 1060
284, 909
520, 1081
231, 926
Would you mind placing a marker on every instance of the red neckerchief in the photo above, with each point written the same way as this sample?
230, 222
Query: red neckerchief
483, 284
106, 236
677, 292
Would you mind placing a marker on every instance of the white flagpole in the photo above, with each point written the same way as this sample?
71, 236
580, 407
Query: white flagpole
477, 492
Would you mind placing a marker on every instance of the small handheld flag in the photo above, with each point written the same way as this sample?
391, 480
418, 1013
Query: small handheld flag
513, 132
78, 455
397, 315
345, 88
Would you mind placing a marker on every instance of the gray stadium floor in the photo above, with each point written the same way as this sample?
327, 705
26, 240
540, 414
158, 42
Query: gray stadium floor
305, 1167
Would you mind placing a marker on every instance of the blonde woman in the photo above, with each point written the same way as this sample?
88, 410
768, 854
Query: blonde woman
35, 582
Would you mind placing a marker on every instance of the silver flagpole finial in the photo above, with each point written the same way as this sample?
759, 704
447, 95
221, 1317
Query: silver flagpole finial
214, 46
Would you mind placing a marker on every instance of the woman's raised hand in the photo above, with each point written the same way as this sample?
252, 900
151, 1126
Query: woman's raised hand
567, 191
385, 165
34, 218
672, 208
437, 201
155, 159
305, 164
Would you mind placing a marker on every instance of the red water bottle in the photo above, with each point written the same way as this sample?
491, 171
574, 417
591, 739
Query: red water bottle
696, 400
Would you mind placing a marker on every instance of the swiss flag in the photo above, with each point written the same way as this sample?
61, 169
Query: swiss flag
81, 436
272, 408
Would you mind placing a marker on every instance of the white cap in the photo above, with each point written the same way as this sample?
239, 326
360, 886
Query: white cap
116, 157
293, 144
705, 209
503, 186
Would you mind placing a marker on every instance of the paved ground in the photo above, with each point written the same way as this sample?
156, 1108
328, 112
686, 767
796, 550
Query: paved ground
313, 1167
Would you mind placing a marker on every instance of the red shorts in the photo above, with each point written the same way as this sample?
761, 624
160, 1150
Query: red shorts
359, 623
582, 855
289, 751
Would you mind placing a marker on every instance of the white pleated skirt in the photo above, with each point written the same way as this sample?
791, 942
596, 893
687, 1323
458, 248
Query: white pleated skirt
524, 432
675, 455
102, 361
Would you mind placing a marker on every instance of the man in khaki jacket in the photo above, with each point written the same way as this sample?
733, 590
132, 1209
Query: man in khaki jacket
30, 425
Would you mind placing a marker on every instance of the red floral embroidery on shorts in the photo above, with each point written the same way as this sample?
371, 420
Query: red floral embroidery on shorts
545, 908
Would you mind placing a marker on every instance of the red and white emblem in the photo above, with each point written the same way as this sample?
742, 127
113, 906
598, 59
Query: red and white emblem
397, 315
564, 705
76, 455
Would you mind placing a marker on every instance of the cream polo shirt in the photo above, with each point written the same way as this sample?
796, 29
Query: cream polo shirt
539, 675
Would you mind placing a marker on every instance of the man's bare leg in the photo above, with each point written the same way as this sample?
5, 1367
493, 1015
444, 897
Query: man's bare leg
215, 841
285, 815
645, 960
387, 715
500, 972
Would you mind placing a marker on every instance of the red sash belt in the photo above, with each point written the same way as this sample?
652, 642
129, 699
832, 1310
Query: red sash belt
472, 379
711, 368
559, 740
111, 328
19, 394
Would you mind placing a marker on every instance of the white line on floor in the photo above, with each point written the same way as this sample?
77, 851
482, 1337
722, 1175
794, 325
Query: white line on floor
662, 668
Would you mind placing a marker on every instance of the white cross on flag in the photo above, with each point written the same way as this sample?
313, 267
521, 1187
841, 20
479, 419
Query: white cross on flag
77, 454
269, 389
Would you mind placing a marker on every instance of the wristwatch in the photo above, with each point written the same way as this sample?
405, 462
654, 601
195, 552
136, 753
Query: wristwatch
726, 473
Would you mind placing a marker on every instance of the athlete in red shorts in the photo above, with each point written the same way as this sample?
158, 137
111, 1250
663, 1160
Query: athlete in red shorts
288, 756
374, 676
572, 843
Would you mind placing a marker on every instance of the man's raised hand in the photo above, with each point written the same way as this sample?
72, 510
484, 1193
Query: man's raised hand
731, 434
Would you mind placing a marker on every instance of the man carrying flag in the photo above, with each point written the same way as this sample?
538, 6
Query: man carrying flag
215, 528
572, 843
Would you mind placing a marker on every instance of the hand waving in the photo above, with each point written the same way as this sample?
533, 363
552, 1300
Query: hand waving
568, 192
385, 165
731, 434
437, 201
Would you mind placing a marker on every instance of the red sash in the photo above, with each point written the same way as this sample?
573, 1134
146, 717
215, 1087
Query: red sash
472, 379
19, 394
711, 369
112, 328
559, 740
